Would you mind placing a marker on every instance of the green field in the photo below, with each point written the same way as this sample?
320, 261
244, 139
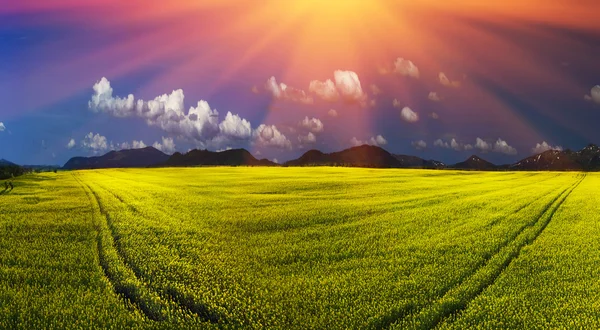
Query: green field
300, 248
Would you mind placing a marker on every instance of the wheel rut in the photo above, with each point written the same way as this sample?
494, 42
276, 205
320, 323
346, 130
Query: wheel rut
456, 298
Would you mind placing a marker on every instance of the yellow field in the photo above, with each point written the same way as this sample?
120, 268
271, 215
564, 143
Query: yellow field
300, 248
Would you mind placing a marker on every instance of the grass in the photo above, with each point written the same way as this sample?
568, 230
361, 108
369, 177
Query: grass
299, 248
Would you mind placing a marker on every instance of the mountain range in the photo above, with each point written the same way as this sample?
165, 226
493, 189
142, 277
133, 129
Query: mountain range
587, 159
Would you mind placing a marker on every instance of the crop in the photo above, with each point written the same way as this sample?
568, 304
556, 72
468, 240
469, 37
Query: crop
228, 247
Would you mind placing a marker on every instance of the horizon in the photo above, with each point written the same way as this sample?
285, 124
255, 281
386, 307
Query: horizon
281, 79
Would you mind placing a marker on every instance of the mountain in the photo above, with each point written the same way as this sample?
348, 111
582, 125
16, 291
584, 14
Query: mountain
4, 162
416, 162
475, 163
232, 157
144, 157
587, 159
361, 156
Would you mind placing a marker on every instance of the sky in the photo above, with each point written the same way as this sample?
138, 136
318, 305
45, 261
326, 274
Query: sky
436, 79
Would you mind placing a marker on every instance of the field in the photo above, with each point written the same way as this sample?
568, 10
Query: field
300, 248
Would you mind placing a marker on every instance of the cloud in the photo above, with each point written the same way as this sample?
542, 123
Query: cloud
440, 143
408, 115
71, 144
270, 136
446, 82
406, 68
332, 113
482, 145
396, 103
502, 147
348, 85
378, 140
199, 125
138, 144
275, 161
375, 89
2, 127
308, 139
167, 146
229, 148
255, 89
434, 115
453, 144
433, 96
594, 95
419, 145
544, 146
284, 92
314, 125
94, 142
326, 90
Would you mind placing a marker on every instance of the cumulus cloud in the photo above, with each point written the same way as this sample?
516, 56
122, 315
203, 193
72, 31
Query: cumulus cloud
270, 136
434, 115
71, 144
2, 127
453, 144
482, 145
594, 95
406, 68
433, 96
275, 161
332, 113
282, 91
544, 146
94, 142
378, 140
307, 139
419, 145
502, 146
167, 145
375, 89
444, 80
200, 124
348, 85
313, 125
326, 90
408, 115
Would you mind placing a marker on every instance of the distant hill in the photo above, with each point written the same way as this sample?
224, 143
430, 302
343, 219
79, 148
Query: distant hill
587, 159
361, 156
4, 162
416, 162
144, 157
9, 169
232, 157
475, 163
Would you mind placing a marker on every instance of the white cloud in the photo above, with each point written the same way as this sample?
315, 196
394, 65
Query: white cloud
275, 161
447, 82
453, 144
434, 115
406, 68
375, 89
270, 136
167, 145
502, 146
325, 90
468, 147
419, 145
282, 91
594, 95
332, 113
94, 142
2, 127
308, 139
378, 140
433, 96
544, 146
482, 145
408, 115
200, 125
71, 144
138, 144
348, 85
396, 103
314, 125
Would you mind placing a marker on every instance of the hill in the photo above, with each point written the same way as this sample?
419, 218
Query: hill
408, 161
9, 169
144, 157
587, 159
232, 157
361, 156
475, 163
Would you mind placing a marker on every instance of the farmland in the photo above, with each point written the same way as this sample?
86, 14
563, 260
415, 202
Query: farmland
304, 248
